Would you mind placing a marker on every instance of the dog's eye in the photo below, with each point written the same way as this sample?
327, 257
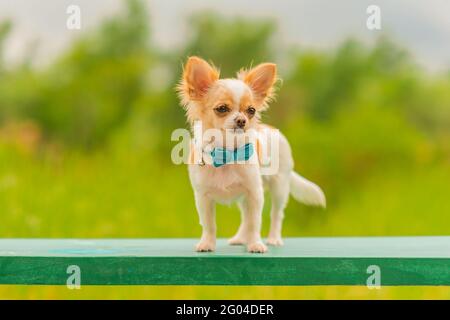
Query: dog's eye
251, 110
222, 108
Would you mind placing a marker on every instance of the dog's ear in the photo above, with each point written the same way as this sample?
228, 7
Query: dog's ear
261, 80
198, 76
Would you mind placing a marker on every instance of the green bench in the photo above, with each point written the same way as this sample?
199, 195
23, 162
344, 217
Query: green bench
399, 261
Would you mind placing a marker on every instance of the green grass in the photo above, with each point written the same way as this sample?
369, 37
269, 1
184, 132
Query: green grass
129, 195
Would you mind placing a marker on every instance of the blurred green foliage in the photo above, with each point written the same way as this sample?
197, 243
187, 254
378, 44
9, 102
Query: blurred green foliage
80, 98
86, 137
245, 41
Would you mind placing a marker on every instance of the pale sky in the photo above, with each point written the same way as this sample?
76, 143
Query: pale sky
422, 26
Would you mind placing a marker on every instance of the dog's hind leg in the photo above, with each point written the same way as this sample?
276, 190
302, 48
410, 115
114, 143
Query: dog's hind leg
241, 235
249, 232
279, 189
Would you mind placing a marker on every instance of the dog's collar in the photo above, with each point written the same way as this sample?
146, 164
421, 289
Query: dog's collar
222, 156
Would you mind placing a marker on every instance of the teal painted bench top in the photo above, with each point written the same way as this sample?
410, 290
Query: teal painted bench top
301, 261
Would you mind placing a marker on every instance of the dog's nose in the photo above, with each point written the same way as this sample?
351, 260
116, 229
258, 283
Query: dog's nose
240, 122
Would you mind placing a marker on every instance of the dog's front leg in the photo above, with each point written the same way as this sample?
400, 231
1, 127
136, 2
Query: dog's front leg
253, 206
206, 211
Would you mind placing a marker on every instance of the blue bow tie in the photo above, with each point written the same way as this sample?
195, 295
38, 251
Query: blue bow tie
221, 156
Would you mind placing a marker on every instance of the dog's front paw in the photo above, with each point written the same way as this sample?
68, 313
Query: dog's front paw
274, 241
257, 247
205, 245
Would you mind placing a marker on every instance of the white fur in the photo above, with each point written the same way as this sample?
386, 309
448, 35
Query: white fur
306, 192
242, 182
237, 87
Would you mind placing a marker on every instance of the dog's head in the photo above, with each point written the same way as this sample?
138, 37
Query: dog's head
226, 104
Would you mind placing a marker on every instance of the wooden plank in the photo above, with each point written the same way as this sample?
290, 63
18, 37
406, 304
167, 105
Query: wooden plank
302, 261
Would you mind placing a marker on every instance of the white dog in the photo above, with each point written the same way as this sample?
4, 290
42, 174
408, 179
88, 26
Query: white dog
235, 105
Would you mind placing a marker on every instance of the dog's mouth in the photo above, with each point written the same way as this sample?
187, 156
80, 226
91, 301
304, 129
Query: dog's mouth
234, 130
238, 130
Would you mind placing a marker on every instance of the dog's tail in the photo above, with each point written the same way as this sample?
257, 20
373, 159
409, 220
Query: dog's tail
306, 191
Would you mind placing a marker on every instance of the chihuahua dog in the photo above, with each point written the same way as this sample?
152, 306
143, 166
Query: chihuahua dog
235, 105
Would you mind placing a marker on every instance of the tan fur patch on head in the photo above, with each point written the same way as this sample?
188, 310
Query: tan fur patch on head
261, 79
246, 102
220, 94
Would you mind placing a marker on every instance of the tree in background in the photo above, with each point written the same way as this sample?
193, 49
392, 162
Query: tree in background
91, 88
